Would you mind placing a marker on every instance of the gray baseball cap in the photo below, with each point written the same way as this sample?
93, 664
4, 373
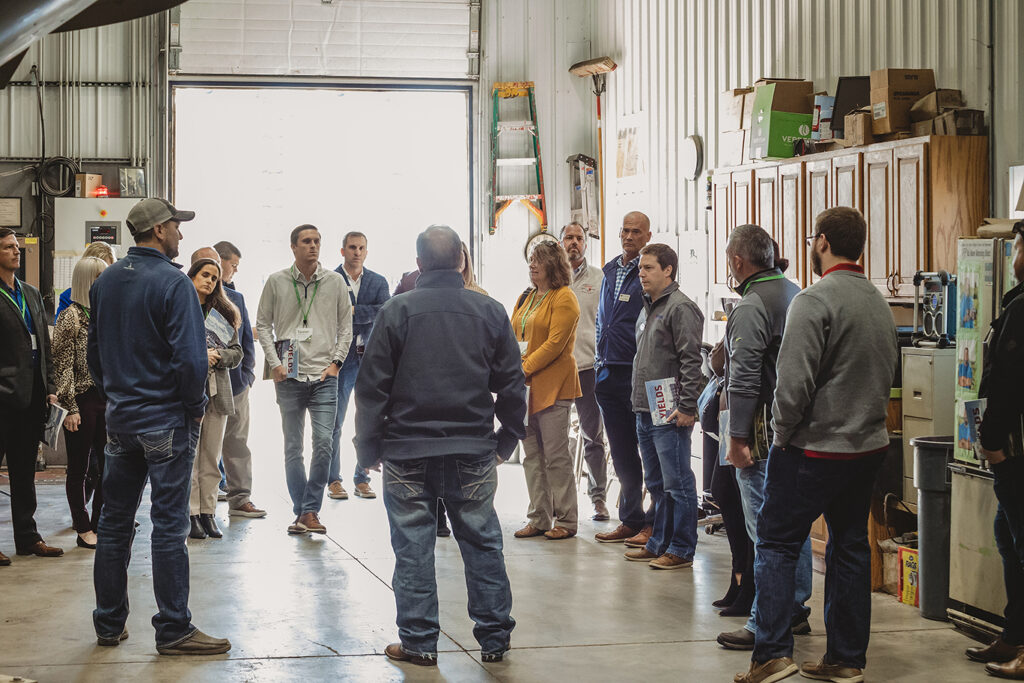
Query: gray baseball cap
153, 211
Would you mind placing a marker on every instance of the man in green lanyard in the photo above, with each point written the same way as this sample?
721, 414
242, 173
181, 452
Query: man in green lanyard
308, 306
26, 391
752, 339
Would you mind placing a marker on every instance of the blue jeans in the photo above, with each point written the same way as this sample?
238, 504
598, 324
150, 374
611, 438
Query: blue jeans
166, 459
467, 485
1009, 528
346, 381
751, 484
294, 398
797, 490
665, 450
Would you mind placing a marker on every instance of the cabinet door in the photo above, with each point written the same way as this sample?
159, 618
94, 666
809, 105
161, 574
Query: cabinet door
721, 219
846, 180
818, 177
878, 202
910, 226
766, 181
744, 209
790, 228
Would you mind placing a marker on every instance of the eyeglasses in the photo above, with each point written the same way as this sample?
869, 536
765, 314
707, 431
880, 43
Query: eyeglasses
813, 238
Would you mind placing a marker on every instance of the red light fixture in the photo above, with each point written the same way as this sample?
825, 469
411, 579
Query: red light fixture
101, 191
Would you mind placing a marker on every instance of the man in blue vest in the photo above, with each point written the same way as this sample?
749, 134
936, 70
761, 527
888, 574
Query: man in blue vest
367, 291
617, 312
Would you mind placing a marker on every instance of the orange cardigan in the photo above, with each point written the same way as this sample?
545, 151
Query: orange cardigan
551, 332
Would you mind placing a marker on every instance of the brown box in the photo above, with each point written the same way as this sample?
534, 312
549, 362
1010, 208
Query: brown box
961, 122
919, 128
731, 109
893, 93
748, 108
935, 103
730, 147
857, 128
86, 184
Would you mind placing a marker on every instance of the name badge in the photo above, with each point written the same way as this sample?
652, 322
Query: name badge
35, 343
522, 348
303, 334
624, 298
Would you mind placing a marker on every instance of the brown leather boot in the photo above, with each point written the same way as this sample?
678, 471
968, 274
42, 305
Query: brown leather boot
640, 540
996, 651
617, 535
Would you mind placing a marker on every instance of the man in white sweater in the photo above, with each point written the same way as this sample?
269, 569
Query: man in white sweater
835, 369
586, 283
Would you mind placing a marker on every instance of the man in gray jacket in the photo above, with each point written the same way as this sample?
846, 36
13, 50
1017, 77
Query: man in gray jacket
753, 335
835, 369
668, 337
586, 284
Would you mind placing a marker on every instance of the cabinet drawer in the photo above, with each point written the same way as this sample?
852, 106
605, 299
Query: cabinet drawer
918, 385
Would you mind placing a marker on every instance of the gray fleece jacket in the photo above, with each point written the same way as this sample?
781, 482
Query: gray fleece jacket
836, 367
753, 335
668, 337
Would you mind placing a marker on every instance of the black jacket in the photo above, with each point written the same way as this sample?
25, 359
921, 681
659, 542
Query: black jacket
1003, 374
435, 357
16, 367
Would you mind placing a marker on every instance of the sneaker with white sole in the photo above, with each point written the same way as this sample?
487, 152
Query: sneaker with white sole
336, 491
297, 527
247, 510
364, 491
837, 673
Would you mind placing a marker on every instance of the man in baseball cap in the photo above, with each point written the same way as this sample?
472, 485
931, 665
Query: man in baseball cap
156, 220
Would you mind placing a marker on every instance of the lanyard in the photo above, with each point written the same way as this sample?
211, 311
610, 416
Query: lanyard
530, 309
764, 279
23, 308
351, 294
298, 299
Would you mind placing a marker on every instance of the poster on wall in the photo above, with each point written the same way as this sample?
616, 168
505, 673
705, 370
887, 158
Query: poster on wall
630, 158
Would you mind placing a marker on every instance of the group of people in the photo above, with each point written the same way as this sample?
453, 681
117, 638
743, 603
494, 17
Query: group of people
797, 401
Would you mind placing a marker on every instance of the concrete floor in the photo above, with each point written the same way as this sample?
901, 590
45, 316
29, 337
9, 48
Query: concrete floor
312, 608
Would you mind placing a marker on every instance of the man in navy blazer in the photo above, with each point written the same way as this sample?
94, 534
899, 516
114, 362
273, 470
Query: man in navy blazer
368, 292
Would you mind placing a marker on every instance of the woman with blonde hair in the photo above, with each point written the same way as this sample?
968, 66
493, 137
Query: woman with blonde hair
544, 322
85, 428
225, 353
100, 250
468, 276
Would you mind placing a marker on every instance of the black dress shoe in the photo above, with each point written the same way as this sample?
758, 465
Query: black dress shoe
83, 544
197, 528
443, 532
210, 526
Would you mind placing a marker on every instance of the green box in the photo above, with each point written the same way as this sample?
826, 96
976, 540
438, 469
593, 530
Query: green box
773, 126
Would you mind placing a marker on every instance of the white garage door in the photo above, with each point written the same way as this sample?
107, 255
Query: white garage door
348, 38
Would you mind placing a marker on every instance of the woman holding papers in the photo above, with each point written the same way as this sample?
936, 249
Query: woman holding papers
544, 322
224, 353
85, 427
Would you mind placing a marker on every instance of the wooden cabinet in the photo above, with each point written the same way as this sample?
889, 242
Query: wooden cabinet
918, 196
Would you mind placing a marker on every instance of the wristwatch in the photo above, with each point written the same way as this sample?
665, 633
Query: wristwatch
337, 363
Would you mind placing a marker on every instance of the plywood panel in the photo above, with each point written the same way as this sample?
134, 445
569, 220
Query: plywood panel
959, 187
910, 226
878, 213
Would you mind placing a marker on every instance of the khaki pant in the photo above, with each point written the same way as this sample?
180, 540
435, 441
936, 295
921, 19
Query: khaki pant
236, 454
548, 465
205, 474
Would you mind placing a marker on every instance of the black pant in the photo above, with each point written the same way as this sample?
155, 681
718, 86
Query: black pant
1009, 529
20, 432
726, 492
84, 445
614, 392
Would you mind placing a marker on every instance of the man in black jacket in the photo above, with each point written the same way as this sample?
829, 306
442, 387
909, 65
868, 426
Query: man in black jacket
26, 391
424, 409
1000, 439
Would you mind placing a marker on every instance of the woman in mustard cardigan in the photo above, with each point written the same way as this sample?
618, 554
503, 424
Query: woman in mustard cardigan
544, 322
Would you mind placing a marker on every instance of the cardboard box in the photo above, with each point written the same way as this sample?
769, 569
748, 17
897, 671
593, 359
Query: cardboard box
909, 575
730, 109
781, 114
935, 103
893, 93
86, 184
960, 122
858, 128
919, 128
748, 109
730, 147
821, 124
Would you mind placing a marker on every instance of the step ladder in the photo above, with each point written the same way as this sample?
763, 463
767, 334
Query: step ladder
523, 131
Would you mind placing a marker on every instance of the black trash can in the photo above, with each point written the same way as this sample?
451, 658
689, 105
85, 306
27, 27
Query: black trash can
932, 455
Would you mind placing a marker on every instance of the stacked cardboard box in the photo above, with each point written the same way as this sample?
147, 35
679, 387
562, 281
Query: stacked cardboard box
782, 114
944, 112
893, 93
734, 125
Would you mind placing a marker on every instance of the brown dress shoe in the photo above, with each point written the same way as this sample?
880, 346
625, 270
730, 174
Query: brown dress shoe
42, 550
600, 511
639, 555
394, 651
311, 522
996, 651
838, 673
1013, 669
618, 535
640, 540
768, 672
559, 533
4, 560
528, 531
670, 561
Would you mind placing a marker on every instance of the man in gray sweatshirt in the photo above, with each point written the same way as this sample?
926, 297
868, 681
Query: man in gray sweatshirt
836, 367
